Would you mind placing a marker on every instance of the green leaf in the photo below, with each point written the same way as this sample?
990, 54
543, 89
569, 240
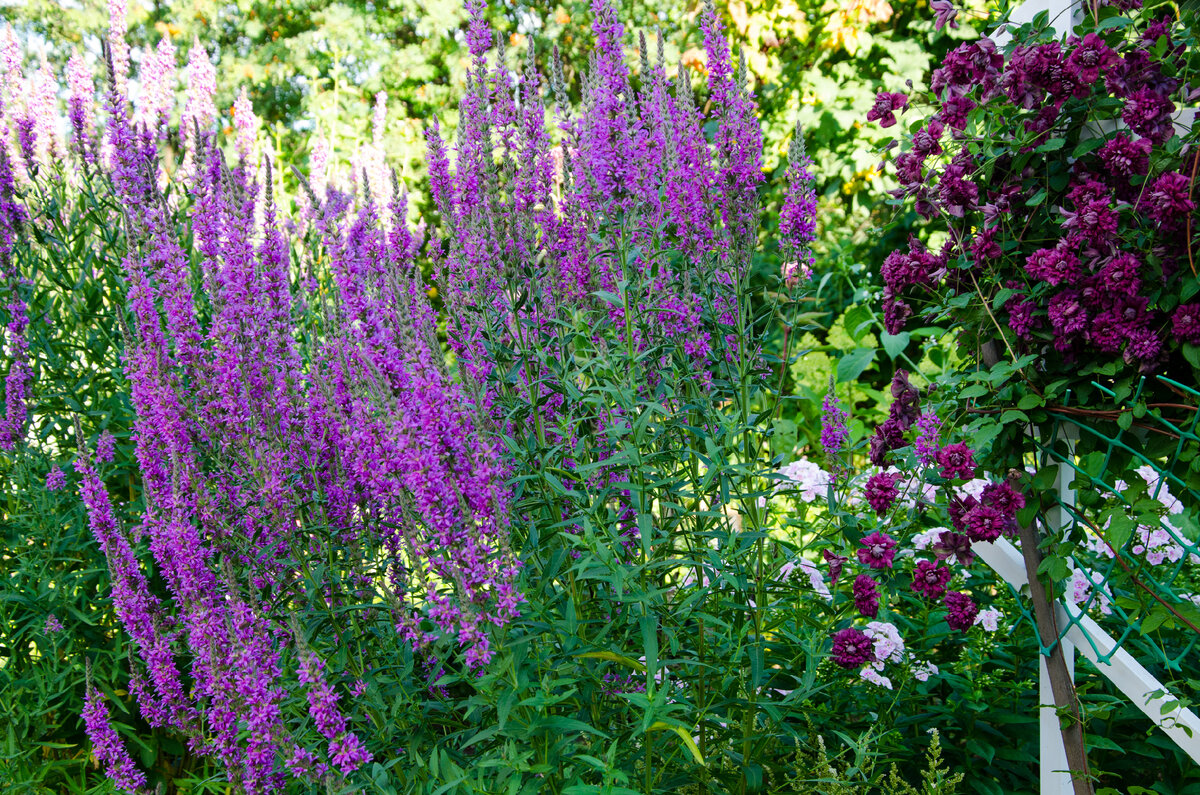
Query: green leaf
851, 366
895, 344
1192, 354
1114, 22
612, 656
1052, 145
1036, 199
1030, 401
684, 735
973, 391
1158, 616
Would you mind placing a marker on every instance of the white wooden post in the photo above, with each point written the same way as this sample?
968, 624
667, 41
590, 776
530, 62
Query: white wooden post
1131, 677
1053, 771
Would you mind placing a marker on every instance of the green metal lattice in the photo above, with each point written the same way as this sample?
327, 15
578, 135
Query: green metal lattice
1125, 578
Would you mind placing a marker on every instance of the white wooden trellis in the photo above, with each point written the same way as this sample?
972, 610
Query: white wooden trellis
1085, 635
1121, 668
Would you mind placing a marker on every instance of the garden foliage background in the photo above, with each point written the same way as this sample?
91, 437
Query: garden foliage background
579, 696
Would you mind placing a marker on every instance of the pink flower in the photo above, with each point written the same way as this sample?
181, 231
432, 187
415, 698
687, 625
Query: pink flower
989, 619
246, 124
957, 462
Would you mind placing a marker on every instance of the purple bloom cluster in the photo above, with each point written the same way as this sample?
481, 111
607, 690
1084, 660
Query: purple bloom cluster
885, 107
878, 551
881, 491
1084, 283
961, 611
834, 433
798, 216
248, 432
16, 342
118, 764
866, 596
852, 648
957, 462
930, 578
902, 414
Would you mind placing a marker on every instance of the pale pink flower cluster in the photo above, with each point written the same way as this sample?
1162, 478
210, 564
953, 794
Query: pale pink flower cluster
989, 619
889, 647
1157, 543
318, 165
81, 87
41, 106
246, 124
1080, 589
118, 24
808, 480
158, 85
10, 67
199, 106
922, 670
370, 160
815, 578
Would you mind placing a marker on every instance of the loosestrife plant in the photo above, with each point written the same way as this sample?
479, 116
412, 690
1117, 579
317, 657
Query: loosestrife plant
336, 526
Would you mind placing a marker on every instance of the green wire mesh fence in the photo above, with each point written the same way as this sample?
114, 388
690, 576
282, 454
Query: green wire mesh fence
1122, 512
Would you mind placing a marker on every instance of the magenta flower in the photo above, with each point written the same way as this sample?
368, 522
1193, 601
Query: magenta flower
929, 579
1185, 324
852, 648
878, 552
961, 611
1003, 497
1168, 202
985, 523
953, 545
885, 107
866, 596
944, 13
881, 492
1053, 266
836, 562
957, 462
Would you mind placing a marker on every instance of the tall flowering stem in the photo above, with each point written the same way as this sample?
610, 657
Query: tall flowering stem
108, 747
16, 341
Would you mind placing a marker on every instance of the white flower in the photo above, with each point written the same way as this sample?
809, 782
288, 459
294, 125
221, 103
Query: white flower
810, 480
922, 670
873, 676
888, 643
989, 619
